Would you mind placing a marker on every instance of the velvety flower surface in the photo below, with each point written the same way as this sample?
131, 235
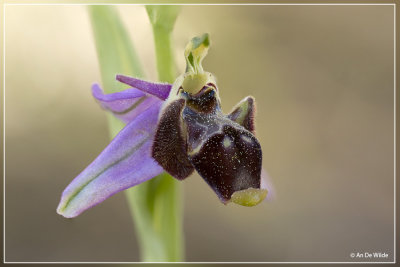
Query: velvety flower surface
176, 128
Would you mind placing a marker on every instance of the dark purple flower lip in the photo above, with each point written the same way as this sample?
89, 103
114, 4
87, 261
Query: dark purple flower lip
127, 160
176, 128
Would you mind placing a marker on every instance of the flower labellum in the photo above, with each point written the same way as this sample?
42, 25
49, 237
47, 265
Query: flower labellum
178, 128
194, 134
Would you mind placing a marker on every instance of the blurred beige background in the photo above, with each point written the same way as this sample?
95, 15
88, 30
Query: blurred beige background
322, 77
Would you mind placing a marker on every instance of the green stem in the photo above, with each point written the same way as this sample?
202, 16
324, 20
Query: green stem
164, 57
156, 205
159, 226
160, 199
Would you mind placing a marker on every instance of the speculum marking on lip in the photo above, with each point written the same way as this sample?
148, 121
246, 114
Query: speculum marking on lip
227, 142
228, 170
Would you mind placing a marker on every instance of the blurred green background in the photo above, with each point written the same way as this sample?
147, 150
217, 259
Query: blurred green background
322, 77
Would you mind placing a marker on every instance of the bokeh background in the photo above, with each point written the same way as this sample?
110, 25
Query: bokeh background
322, 77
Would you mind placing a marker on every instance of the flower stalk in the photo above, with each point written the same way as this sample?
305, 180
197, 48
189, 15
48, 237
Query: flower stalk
155, 205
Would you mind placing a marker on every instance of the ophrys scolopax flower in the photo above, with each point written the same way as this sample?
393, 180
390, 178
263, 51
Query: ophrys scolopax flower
178, 128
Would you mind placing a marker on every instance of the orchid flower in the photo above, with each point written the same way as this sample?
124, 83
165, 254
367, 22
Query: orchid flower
177, 128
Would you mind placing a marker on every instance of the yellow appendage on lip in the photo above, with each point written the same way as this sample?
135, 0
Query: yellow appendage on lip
249, 197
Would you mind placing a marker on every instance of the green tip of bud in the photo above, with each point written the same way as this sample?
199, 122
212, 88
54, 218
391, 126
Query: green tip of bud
249, 197
195, 52
200, 40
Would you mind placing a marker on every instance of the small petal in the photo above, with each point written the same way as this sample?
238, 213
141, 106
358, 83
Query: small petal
125, 105
125, 162
160, 90
244, 112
